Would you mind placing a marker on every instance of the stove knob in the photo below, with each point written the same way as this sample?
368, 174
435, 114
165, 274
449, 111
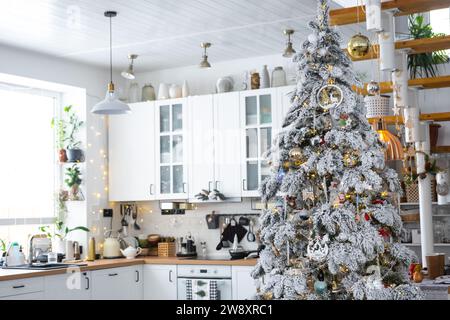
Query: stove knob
192, 271
215, 271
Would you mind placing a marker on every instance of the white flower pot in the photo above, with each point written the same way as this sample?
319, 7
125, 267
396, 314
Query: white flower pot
58, 245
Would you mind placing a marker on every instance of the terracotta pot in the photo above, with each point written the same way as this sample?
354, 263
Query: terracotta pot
62, 155
434, 134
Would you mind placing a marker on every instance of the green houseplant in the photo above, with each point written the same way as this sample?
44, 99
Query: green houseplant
74, 153
60, 126
58, 234
73, 181
424, 64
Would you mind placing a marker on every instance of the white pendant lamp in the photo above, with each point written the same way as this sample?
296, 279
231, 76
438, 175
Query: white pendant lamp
111, 105
129, 73
204, 64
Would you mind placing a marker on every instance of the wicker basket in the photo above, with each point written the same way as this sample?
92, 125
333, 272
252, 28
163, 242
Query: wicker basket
412, 191
377, 106
166, 249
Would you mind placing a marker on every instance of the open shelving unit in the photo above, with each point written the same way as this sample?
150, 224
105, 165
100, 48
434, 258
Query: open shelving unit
344, 16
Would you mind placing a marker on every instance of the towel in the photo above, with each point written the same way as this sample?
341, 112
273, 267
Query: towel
202, 290
213, 292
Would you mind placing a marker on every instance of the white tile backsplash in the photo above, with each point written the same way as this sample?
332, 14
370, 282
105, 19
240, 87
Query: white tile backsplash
152, 222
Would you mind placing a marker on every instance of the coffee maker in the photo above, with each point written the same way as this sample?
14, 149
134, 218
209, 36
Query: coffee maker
186, 247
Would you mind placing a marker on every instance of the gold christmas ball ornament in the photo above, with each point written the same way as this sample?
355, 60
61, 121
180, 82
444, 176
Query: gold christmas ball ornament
296, 154
358, 46
373, 88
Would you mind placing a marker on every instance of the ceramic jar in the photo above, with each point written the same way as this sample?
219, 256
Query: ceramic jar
265, 78
224, 84
175, 91
278, 77
148, 93
163, 92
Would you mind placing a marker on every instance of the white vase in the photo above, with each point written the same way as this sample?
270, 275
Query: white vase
175, 91
163, 92
134, 94
58, 245
265, 78
186, 91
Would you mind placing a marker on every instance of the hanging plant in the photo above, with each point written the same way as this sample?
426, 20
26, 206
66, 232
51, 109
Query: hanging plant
410, 176
424, 65
73, 181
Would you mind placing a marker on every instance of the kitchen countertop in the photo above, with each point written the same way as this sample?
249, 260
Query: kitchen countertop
13, 274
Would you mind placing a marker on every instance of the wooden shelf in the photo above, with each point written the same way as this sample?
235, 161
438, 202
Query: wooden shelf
424, 83
344, 16
415, 45
441, 149
437, 117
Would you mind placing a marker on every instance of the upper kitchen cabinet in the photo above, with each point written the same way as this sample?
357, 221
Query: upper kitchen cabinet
284, 102
260, 117
214, 148
132, 154
171, 149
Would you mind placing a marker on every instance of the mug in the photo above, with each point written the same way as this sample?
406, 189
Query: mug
52, 257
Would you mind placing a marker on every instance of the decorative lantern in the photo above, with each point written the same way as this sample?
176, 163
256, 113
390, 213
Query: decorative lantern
412, 132
377, 106
394, 149
386, 42
373, 15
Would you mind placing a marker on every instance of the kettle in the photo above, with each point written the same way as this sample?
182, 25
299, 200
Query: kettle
111, 246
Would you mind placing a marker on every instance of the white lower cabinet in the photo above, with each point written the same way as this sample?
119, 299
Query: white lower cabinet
117, 284
160, 282
243, 285
69, 286
22, 289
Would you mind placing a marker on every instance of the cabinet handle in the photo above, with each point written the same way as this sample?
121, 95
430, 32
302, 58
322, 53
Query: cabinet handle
113, 274
151, 189
244, 184
19, 287
88, 284
209, 185
184, 187
170, 276
137, 276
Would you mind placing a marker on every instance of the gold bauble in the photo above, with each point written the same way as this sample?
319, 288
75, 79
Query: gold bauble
296, 154
358, 46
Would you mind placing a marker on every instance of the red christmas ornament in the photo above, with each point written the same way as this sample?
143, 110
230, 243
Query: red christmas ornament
367, 217
384, 233
378, 201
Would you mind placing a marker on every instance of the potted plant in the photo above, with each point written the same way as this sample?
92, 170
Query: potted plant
58, 234
74, 153
73, 181
61, 127
424, 64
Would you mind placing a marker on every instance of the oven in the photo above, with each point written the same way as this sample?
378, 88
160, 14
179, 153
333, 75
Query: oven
197, 282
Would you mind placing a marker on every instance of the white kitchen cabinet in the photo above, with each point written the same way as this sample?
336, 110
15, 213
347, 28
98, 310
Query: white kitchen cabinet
260, 116
171, 127
214, 140
201, 144
132, 154
227, 144
22, 289
243, 285
118, 284
284, 103
74, 286
160, 282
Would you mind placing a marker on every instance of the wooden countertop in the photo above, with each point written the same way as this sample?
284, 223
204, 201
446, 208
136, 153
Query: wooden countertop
13, 274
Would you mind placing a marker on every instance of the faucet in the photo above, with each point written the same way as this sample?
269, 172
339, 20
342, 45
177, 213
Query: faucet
30, 249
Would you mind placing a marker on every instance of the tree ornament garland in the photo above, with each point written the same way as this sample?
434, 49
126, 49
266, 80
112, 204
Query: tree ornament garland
334, 214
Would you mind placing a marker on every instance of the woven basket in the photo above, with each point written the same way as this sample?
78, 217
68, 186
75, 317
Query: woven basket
412, 191
377, 106
166, 249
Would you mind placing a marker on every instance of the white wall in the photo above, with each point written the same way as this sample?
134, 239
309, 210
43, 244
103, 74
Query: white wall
59, 71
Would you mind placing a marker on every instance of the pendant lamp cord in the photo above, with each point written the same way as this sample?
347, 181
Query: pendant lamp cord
110, 49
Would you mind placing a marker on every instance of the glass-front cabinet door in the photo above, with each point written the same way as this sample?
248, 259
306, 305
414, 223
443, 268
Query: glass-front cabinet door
259, 121
171, 129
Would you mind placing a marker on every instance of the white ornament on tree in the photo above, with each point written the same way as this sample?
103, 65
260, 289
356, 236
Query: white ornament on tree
318, 249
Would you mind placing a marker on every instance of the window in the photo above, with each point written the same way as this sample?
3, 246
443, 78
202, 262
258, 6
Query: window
440, 21
27, 162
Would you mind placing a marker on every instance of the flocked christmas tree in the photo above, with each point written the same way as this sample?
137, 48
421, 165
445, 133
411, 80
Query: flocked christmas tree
334, 230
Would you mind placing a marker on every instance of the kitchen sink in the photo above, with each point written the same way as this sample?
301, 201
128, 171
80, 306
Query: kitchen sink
42, 266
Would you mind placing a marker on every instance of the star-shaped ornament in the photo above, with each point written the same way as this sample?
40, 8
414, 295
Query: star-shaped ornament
396, 110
